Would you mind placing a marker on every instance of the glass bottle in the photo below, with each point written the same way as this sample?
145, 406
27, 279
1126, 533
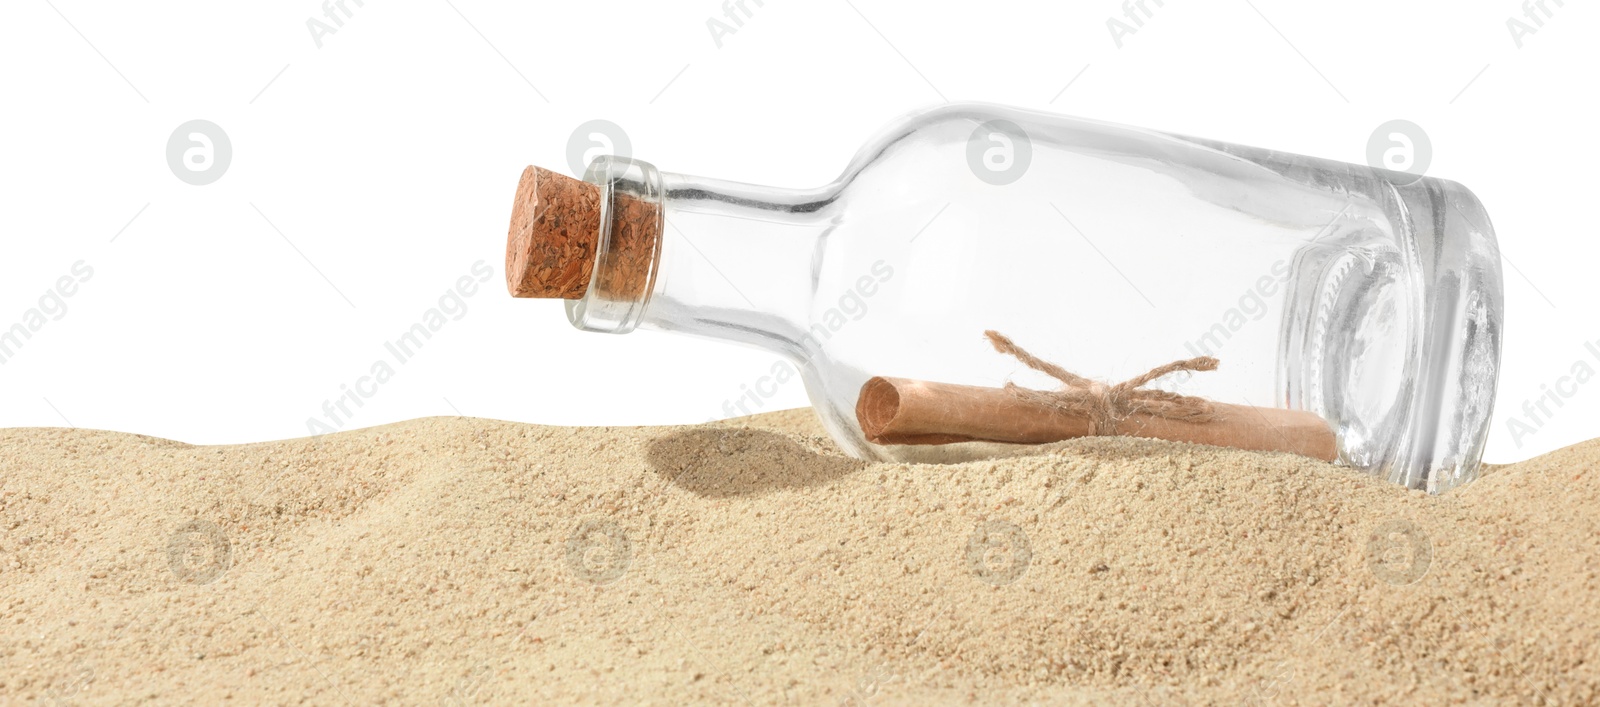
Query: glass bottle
1370, 297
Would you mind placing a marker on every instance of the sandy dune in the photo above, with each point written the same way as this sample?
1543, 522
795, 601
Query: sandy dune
471, 561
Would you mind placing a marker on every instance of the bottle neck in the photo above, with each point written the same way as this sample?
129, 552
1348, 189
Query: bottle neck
735, 261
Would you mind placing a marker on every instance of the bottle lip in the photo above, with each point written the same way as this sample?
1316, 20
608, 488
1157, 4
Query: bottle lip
627, 248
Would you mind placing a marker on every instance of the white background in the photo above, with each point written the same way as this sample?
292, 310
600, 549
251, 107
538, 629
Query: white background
385, 161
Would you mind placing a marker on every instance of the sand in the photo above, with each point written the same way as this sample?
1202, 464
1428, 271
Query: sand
469, 561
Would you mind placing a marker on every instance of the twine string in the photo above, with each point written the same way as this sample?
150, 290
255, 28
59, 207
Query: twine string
1106, 405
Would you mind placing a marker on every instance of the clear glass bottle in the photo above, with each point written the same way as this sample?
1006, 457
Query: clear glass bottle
1372, 298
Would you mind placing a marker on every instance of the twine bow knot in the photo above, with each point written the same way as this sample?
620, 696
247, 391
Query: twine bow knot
1106, 405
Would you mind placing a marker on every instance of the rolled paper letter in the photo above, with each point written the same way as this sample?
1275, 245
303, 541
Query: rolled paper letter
905, 411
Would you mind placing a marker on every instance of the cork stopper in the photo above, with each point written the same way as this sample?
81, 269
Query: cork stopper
555, 224
568, 235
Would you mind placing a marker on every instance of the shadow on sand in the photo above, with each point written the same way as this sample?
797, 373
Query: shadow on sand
729, 462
